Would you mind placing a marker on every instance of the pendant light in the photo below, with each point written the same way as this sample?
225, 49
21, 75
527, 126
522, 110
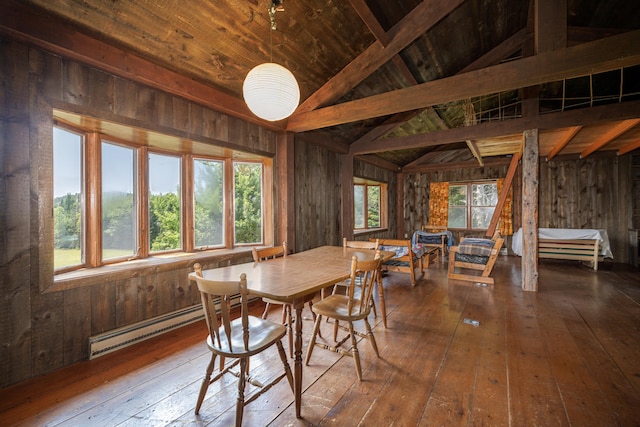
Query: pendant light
270, 90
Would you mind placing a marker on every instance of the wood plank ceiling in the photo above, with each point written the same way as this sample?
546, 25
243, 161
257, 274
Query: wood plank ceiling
407, 84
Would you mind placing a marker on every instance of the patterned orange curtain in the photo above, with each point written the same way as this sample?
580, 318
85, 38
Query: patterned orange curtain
439, 204
505, 223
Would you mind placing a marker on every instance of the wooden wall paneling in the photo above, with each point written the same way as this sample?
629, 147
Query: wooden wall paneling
103, 308
196, 122
41, 153
47, 318
87, 87
163, 108
181, 110
15, 214
182, 294
147, 297
76, 324
144, 104
586, 204
166, 285
126, 101
126, 301
623, 214
46, 308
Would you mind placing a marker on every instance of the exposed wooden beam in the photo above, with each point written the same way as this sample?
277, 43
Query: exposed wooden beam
493, 57
380, 162
390, 124
383, 38
609, 136
629, 147
362, 9
494, 161
30, 27
593, 115
567, 136
473, 147
422, 17
502, 198
599, 56
499, 53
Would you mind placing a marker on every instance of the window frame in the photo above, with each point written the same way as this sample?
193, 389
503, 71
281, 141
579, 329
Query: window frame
469, 206
384, 206
92, 255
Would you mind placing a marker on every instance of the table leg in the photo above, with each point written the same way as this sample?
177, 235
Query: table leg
297, 364
383, 306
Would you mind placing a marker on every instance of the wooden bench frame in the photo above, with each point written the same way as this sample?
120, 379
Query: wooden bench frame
587, 250
443, 246
485, 269
409, 260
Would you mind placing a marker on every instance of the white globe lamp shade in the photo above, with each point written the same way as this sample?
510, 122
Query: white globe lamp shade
271, 92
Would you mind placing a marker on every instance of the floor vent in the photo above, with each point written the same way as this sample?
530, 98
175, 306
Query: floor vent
107, 342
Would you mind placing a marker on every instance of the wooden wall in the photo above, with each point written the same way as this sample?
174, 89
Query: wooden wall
595, 192
42, 331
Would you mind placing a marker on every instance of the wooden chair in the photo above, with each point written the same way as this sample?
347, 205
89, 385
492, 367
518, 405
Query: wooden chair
406, 263
368, 245
237, 339
477, 262
351, 307
287, 309
437, 240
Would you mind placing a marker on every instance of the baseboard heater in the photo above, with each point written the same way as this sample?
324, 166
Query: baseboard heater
117, 339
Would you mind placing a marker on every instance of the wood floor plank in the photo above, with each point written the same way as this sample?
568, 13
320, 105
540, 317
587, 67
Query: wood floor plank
566, 355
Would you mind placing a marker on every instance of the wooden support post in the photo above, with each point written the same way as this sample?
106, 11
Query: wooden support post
285, 191
346, 182
530, 211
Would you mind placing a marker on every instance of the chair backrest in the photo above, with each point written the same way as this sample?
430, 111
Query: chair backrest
364, 275
268, 253
360, 244
433, 228
216, 296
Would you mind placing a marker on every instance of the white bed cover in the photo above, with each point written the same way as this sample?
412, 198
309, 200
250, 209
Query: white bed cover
566, 234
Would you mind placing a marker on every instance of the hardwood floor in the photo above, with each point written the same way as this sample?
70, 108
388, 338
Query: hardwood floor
566, 355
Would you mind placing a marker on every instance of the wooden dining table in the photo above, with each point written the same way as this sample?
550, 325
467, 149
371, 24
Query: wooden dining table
292, 279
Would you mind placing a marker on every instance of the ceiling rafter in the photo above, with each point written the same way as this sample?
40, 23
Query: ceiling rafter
593, 115
417, 22
376, 29
566, 137
473, 147
599, 56
609, 136
629, 147
493, 57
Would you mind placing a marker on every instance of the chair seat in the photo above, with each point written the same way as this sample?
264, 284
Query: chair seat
262, 334
335, 306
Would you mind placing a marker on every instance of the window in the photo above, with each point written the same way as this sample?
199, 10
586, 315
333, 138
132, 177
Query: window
208, 184
119, 218
164, 203
369, 204
471, 205
247, 186
117, 200
68, 197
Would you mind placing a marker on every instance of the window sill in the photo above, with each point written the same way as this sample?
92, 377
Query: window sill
143, 267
